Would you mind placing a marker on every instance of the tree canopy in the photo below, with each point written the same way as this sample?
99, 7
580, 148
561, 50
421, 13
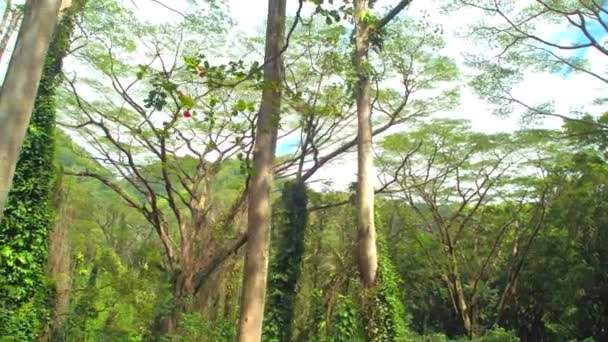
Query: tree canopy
181, 179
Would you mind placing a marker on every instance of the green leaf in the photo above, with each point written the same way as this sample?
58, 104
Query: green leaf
241, 105
186, 101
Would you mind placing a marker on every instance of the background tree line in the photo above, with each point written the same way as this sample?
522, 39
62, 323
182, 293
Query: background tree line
147, 214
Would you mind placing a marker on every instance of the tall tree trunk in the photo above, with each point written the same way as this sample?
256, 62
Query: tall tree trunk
259, 208
21, 84
379, 314
60, 268
10, 29
27, 231
367, 253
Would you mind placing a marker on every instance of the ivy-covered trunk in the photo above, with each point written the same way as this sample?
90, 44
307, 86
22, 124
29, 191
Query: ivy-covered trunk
286, 266
182, 291
24, 295
385, 315
18, 93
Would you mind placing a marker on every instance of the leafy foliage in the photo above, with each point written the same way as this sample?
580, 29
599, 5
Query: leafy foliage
285, 270
482, 237
29, 216
387, 319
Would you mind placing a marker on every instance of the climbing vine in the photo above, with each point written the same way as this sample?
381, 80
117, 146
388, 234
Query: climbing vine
24, 293
286, 266
345, 323
384, 311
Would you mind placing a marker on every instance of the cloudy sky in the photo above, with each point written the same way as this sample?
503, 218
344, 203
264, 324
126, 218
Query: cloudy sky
568, 92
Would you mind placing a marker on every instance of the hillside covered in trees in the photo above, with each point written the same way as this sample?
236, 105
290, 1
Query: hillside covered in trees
169, 174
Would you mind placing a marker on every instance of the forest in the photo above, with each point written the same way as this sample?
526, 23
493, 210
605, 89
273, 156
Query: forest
304, 170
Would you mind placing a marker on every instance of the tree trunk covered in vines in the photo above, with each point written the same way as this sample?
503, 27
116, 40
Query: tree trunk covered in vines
21, 84
385, 318
182, 294
29, 215
286, 266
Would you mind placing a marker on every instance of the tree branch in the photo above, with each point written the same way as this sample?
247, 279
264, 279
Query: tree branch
392, 14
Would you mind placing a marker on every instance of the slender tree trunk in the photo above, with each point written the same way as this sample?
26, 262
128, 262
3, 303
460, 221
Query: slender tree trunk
454, 283
520, 256
10, 29
259, 209
34, 180
463, 307
367, 254
21, 84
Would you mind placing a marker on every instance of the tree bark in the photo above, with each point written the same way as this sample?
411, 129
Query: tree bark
367, 250
463, 306
194, 280
59, 268
182, 292
259, 210
10, 29
21, 84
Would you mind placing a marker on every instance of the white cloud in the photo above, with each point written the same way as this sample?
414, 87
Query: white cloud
575, 91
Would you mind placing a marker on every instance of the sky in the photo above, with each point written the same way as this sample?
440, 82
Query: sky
567, 91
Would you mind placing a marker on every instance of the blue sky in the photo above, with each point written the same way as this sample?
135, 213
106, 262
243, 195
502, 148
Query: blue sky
288, 144
574, 35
